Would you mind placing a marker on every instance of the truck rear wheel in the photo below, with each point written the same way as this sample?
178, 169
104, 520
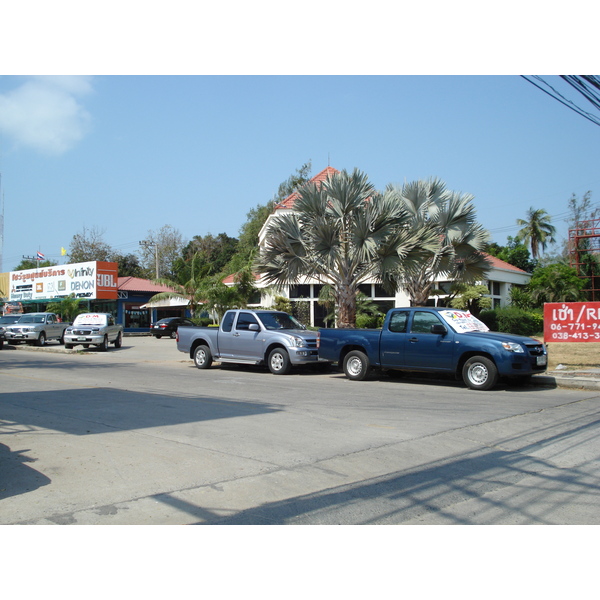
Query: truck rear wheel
480, 373
279, 362
357, 365
119, 340
202, 357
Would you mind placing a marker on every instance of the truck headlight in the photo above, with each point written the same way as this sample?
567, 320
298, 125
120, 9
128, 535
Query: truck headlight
513, 347
297, 342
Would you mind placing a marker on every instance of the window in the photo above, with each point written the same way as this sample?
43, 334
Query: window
228, 321
422, 322
245, 320
398, 322
300, 291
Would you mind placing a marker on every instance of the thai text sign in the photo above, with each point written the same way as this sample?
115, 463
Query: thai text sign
572, 322
91, 280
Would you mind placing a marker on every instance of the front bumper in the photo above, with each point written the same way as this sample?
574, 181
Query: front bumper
22, 336
302, 356
84, 339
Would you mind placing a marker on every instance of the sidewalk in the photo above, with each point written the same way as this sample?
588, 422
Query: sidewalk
588, 379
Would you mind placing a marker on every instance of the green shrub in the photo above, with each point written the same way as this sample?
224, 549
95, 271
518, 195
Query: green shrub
489, 318
511, 319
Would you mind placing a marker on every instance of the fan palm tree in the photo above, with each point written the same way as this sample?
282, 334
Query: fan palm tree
536, 231
344, 233
459, 256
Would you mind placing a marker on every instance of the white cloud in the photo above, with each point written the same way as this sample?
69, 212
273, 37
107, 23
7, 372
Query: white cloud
45, 113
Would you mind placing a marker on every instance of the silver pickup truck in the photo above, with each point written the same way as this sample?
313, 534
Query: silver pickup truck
36, 328
251, 337
94, 329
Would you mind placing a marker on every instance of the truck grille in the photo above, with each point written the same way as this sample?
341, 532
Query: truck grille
535, 349
82, 331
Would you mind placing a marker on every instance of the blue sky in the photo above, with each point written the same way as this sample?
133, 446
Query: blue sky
129, 154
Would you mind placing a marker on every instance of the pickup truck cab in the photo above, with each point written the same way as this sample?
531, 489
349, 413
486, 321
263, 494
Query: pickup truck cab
251, 337
439, 340
36, 328
94, 329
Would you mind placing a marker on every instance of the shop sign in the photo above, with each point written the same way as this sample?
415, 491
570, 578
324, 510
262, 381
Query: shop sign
90, 280
572, 322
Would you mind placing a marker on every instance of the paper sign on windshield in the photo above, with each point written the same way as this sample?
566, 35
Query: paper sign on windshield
90, 319
463, 321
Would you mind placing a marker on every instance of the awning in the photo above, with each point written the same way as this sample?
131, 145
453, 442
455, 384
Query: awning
168, 303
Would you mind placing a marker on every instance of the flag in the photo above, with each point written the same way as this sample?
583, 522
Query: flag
40, 256
63, 252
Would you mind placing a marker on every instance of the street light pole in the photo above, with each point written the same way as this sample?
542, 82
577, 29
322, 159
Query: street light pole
150, 244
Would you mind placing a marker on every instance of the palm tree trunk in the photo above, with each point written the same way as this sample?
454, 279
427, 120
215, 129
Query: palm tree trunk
346, 299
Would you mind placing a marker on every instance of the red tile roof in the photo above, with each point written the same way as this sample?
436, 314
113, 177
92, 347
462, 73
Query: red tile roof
136, 284
500, 264
319, 178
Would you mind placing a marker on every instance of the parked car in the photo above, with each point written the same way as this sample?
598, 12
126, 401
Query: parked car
6, 320
36, 328
168, 326
94, 329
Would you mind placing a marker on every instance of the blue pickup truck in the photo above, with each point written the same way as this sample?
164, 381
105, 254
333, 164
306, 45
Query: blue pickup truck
439, 340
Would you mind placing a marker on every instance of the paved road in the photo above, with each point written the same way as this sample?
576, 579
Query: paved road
138, 435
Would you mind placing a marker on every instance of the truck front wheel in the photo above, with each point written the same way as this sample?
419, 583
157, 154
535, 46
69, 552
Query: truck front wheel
357, 365
279, 362
480, 373
202, 357
41, 341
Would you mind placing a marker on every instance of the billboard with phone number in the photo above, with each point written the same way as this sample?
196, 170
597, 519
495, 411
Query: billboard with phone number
572, 322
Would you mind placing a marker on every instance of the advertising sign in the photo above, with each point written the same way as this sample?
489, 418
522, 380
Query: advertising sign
463, 321
572, 322
91, 280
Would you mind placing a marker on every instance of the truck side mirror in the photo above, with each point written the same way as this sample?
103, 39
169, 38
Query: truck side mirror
439, 329
253, 327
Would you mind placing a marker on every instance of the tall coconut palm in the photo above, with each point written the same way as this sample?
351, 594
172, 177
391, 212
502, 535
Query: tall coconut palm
344, 233
536, 230
459, 256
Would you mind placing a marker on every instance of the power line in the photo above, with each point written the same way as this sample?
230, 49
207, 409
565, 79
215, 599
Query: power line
580, 83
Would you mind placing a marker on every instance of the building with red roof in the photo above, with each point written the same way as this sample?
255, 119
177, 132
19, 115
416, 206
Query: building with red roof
501, 276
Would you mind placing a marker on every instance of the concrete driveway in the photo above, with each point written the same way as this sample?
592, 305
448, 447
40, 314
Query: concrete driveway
138, 435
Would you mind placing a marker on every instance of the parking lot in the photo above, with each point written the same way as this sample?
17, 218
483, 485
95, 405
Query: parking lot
138, 435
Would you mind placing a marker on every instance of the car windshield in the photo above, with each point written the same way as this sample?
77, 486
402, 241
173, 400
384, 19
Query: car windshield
10, 319
32, 319
279, 320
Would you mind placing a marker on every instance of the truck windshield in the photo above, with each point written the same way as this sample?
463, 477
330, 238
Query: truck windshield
31, 319
279, 321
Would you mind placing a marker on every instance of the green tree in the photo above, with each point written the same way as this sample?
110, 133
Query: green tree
128, 265
459, 254
344, 233
27, 264
193, 290
514, 253
473, 298
68, 308
212, 252
556, 283
537, 231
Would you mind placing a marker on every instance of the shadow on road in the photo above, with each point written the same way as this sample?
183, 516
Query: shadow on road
16, 477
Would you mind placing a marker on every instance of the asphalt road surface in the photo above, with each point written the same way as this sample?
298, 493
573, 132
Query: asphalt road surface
138, 435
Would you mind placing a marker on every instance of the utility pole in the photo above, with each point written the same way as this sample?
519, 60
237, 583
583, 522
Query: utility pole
150, 244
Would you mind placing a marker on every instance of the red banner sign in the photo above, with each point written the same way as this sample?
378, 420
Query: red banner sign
572, 322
